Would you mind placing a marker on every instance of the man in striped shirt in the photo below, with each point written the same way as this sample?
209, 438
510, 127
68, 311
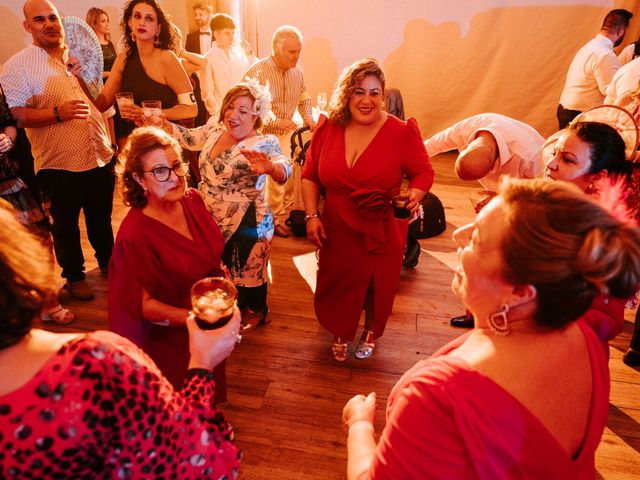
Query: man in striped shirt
288, 92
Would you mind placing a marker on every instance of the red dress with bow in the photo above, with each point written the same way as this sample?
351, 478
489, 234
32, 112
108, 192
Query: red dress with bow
365, 242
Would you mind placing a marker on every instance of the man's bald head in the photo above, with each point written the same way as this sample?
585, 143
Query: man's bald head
42, 21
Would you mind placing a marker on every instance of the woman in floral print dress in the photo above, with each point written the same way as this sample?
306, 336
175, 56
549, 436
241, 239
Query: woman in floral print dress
234, 163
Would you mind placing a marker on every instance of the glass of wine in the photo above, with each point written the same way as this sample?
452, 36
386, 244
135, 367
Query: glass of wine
213, 299
322, 100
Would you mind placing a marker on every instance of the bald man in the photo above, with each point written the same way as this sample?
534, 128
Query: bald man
490, 145
73, 157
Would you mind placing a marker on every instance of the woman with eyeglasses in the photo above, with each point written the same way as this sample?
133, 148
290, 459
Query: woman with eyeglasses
167, 242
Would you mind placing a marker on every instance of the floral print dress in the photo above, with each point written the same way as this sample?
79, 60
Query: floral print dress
229, 189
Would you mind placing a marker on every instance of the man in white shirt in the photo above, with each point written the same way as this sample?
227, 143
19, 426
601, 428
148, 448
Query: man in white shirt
199, 41
625, 80
592, 69
490, 145
73, 156
226, 63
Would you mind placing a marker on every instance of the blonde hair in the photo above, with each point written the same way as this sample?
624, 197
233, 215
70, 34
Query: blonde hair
93, 16
346, 85
568, 247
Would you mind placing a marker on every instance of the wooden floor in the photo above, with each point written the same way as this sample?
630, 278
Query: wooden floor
286, 392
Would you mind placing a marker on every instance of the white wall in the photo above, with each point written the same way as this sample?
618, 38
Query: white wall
449, 58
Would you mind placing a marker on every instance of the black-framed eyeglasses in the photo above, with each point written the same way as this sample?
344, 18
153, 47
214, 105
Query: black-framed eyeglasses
162, 174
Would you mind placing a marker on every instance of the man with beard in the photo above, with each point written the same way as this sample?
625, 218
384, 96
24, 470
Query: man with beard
199, 41
72, 151
593, 68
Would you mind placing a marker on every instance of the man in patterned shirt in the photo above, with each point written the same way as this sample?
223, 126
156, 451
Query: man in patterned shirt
73, 155
288, 91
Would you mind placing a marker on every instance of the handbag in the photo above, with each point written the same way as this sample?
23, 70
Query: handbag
296, 223
431, 221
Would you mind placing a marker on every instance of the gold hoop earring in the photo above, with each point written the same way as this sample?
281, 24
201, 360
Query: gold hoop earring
498, 322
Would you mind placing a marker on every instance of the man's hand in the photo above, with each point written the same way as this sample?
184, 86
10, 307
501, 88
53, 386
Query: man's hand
74, 110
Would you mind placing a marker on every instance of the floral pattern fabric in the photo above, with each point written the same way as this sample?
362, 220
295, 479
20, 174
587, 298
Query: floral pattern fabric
228, 188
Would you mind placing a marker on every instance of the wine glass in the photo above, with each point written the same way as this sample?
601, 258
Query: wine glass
213, 299
322, 100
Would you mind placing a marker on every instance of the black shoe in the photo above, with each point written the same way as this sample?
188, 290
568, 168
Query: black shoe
462, 322
631, 358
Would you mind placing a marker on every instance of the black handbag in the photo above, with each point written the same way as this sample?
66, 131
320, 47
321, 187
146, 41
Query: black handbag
431, 221
296, 223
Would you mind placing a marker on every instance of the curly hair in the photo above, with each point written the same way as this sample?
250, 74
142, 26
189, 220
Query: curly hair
93, 17
141, 141
568, 247
167, 37
238, 90
26, 277
346, 85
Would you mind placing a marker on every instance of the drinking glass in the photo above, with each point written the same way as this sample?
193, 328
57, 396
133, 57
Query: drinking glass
399, 200
124, 98
152, 112
213, 299
322, 100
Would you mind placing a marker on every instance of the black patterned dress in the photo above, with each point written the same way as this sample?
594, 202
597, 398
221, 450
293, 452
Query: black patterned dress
12, 188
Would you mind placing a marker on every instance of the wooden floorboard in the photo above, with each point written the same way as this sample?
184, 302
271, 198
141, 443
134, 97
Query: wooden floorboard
286, 392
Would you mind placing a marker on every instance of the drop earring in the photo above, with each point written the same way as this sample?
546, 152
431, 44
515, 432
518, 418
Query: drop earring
156, 41
498, 322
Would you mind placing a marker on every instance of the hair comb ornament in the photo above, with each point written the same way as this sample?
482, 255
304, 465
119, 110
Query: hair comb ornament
262, 95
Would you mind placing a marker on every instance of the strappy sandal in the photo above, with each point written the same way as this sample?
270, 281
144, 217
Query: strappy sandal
366, 346
251, 320
59, 314
339, 349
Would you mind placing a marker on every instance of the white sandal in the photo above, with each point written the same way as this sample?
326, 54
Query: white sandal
58, 314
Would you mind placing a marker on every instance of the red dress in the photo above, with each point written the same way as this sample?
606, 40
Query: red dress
365, 242
447, 420
100, 408
147, 253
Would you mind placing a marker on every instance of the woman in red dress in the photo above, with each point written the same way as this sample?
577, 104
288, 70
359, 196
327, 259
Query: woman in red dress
93, 405
357, 157
166, 243
525, 394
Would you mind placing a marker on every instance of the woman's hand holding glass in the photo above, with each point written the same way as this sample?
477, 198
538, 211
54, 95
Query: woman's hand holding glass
208, 348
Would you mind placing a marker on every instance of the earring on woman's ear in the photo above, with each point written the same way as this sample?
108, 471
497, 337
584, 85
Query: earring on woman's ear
133, 37
156, 41
498, 322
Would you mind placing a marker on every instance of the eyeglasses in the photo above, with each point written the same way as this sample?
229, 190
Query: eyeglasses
162, 174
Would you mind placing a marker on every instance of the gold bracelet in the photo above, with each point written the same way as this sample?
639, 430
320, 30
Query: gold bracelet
309, 217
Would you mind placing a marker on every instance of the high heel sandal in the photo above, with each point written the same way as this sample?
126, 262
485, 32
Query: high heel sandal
59, 314
251, 320
366, 345
339, 349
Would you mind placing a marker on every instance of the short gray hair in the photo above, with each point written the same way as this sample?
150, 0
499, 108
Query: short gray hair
281, 33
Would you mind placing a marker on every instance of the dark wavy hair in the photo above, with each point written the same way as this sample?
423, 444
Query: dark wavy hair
606, 145
568, 247
167, 37
26, 277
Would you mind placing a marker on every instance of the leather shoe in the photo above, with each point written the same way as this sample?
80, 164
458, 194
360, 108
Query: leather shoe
631, 358
280, 231
79, 290
462, 322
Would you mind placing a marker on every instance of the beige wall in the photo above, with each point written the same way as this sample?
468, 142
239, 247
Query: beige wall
449, 58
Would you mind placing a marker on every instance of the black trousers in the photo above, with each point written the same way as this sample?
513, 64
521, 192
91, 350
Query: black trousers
565, 116
254, 298
91, 191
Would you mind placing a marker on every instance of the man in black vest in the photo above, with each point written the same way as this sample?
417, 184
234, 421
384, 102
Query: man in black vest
199, 41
